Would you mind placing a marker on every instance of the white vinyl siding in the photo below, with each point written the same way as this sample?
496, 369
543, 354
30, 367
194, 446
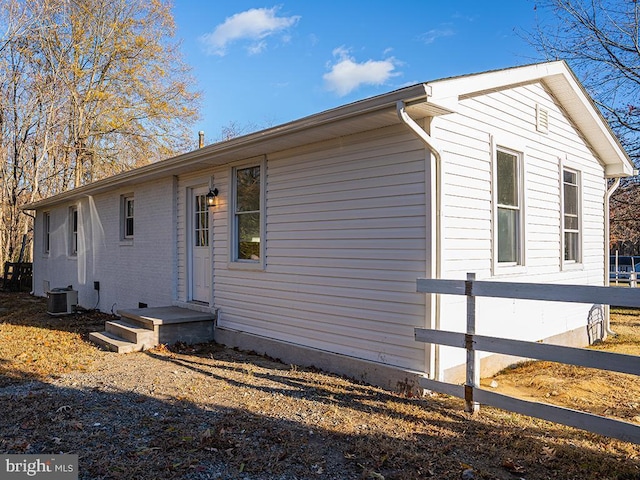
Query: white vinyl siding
346, 223
467, 147
345, 241
491, 121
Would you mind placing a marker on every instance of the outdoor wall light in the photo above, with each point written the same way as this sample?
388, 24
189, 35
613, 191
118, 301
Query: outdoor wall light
212, 197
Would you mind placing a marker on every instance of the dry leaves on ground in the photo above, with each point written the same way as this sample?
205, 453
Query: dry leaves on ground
204, 412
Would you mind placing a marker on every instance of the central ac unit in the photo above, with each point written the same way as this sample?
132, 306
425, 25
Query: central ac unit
61, 301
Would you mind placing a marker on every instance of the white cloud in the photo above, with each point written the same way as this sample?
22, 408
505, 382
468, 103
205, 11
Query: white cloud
432, 35
253, 25
257, 48
346, 75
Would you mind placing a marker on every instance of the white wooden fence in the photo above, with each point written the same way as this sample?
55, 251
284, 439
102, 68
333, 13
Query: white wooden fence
471, 391
632, 280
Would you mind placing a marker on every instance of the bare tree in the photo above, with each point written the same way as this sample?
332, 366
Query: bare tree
24, 100
126, 87
88, 88
233, 129
599, 39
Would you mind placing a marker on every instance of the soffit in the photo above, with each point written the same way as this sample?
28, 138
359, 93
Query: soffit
370, 114
421, 100
560, 81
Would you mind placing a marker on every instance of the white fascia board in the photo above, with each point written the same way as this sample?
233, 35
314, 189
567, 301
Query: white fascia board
590, 121
244, 146
617, 170
449, 91
563, 85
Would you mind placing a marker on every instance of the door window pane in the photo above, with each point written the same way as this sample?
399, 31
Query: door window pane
201, 221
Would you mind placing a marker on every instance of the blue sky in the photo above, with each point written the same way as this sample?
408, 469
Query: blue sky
262, 64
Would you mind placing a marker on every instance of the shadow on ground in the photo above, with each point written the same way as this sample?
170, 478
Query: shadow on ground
120, 434
19, 308
217, 413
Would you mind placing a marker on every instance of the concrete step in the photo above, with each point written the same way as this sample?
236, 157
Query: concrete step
114, 343
153, 316
135, 321
131, 333
144, 328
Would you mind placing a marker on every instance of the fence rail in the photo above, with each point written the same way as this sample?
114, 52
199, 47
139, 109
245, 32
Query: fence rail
619, 296
17, 276
474, 395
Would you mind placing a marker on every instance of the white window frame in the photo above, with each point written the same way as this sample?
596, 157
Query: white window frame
124, 216
234, 261
46, 230
571, 263
512, 146
74, 223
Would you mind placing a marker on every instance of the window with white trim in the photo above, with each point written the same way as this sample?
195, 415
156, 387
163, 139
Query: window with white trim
571, 215
73, 231
508, 207
247, 214
127, 217
46, 230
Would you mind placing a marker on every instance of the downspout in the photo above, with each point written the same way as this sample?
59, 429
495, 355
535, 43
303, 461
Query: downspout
434, 189
607, 253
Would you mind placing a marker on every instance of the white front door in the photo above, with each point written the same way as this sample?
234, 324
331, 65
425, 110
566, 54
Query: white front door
199, 246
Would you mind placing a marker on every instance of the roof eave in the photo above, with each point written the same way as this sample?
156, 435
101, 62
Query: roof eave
434, 98
214, 154
562, 83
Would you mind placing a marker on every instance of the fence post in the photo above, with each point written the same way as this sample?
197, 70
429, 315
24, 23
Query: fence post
473, 367
633, 279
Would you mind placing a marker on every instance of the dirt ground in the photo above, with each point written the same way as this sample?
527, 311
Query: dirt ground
208, 412
604, 393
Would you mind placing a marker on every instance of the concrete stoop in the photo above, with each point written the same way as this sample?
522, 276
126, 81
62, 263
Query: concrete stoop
144, 328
